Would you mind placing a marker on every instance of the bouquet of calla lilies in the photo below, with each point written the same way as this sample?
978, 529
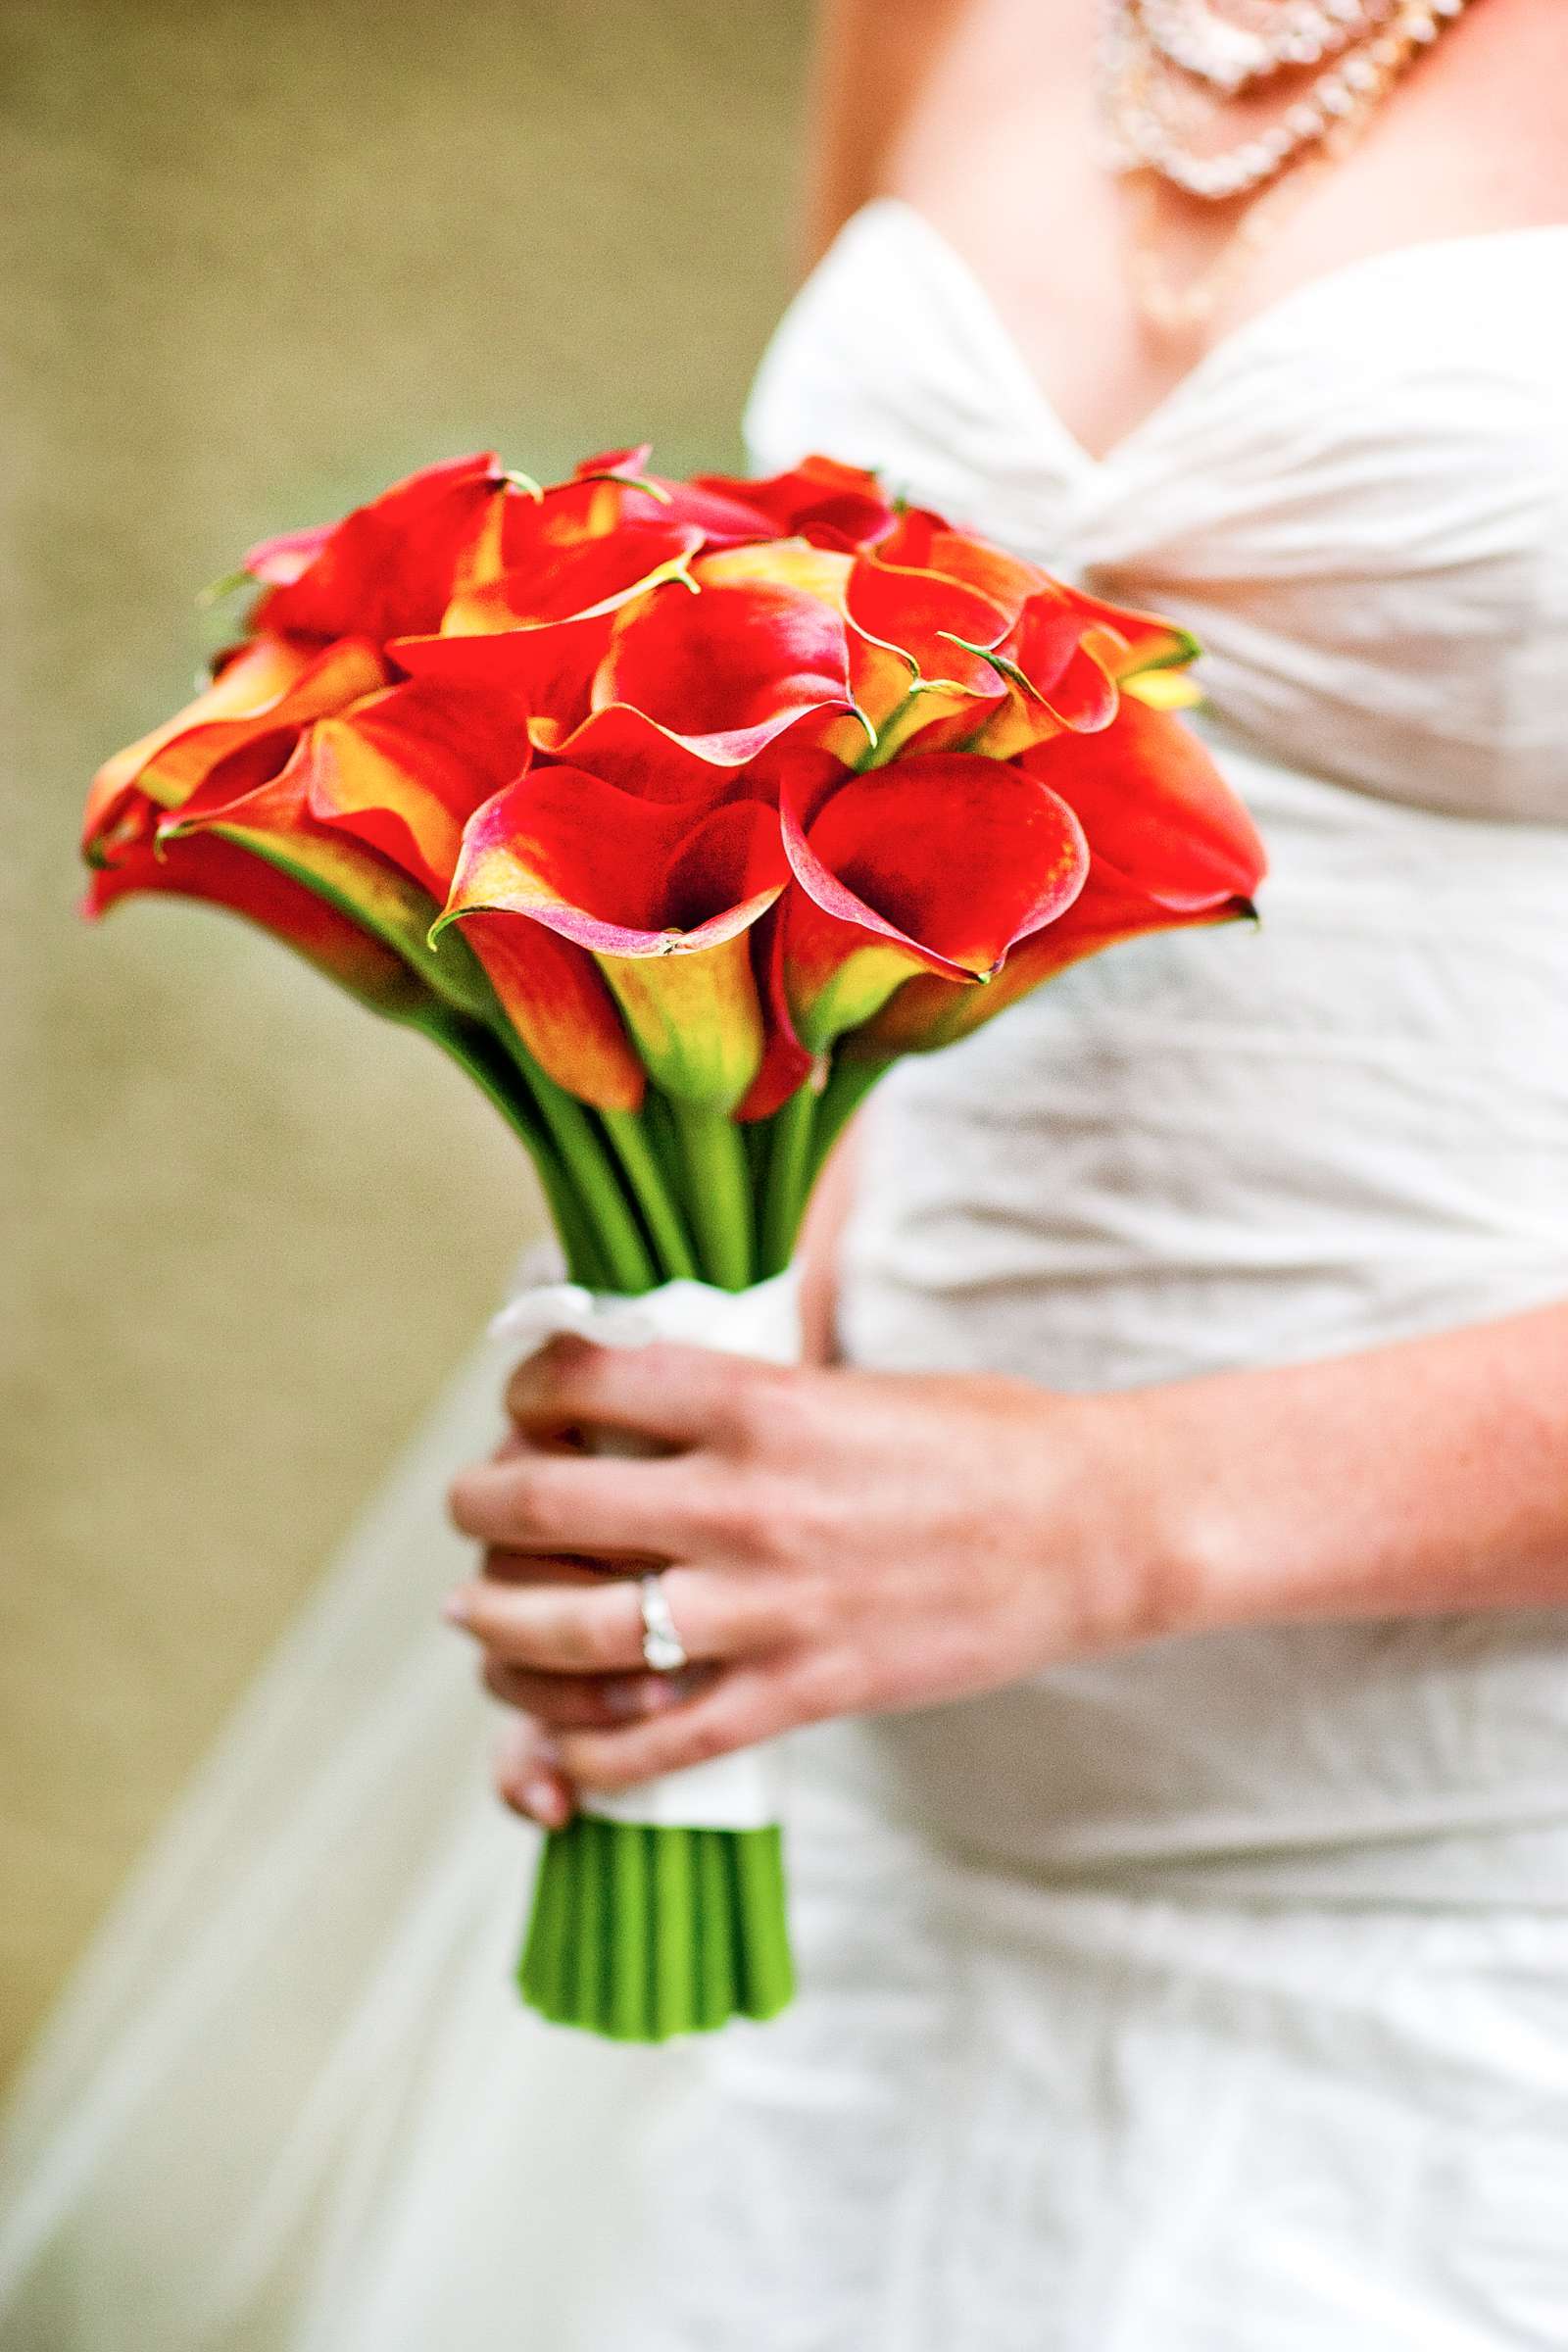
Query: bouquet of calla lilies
676, 812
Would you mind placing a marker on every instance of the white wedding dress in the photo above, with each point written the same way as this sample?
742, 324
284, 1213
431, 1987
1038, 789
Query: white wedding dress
1212, 1998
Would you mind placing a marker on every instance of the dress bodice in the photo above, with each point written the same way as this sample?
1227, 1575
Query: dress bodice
1357, 501
1214, 1149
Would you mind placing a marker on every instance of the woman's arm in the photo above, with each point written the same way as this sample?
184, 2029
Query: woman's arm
1413, 1480
817, 1255
850, 1541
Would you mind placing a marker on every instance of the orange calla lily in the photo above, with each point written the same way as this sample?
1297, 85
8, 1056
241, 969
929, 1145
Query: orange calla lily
269, 690
271, 819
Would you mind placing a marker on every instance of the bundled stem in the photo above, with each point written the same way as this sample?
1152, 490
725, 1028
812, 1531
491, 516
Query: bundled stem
654, 1194
789, 1177
718, 1194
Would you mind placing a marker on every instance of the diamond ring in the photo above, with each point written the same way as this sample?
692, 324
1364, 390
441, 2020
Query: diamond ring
664, 1651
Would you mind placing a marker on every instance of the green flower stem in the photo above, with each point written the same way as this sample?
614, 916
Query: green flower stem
842, 1096
717, 1906
625, 1254
789, 1176
630, 1893
718, 1194
542, 1972
641, 1932
891, 734
495, 1071
591, 1925
768, 1972
656, 1199
674, 1939
584, 1260
657, 1119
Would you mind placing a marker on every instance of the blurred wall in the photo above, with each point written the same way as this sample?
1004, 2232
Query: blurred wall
258, 260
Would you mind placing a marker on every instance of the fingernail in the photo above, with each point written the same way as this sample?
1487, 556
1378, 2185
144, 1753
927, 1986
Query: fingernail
545, 1801
455, 1608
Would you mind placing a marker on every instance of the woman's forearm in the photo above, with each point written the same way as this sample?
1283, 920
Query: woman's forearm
842, 1541
1427, 1477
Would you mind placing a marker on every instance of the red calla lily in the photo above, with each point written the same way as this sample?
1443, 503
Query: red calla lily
389, 568
404, 770
1156, 810
936, 865
1170, 845
723, 672
661, 896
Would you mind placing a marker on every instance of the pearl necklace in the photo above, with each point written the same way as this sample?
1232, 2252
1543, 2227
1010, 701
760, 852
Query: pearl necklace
1312, 135
1245, 45
1144, 124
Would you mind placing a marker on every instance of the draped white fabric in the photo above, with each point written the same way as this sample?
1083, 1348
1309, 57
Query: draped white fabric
1213, 1999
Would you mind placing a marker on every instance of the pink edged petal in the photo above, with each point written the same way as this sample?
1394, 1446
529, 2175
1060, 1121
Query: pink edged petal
918, 646
939, 863
625, 749
719, 508
1056, 679
586, 577
1133, 642
549, 664
835, 505
928, 1013
924, 542
932, 622
728, 670
620, 875
623, 464
662, 895
278, 563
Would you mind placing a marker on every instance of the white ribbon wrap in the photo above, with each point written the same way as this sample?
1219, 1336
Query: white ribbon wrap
730, 1792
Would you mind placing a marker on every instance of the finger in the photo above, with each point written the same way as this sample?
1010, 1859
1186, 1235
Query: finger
745, 1705
528, 1775
584, 1702
680, 1396
542, 1502
559, 1629
548, 1568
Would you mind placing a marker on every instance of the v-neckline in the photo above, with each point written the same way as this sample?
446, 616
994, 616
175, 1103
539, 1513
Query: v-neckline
1220, 355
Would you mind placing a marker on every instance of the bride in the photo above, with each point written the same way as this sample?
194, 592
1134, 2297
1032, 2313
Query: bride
1172, 1566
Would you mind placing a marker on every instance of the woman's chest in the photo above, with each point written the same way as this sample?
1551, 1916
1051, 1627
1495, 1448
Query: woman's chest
1002, 151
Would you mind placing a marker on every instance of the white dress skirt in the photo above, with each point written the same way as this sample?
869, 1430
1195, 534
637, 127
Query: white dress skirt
1210, 1998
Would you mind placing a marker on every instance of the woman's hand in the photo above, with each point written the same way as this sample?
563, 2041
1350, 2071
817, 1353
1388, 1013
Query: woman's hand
835, 1543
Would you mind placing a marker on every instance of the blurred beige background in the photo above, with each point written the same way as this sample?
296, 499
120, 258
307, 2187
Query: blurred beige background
258, 260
